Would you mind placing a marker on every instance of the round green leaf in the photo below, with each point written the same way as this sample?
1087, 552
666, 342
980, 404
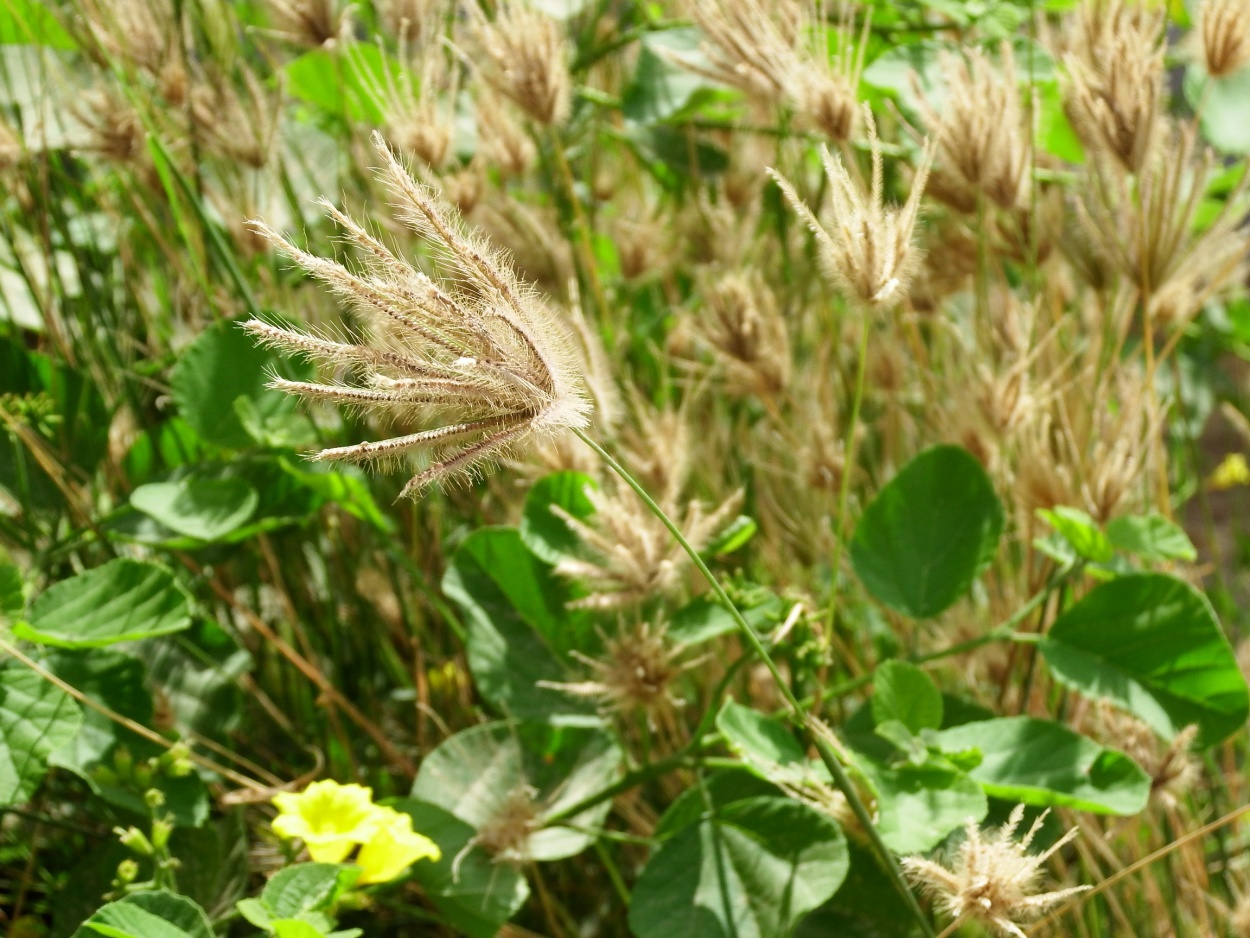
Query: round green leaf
474, 894
519, 625
148, 915
752, 871
1044, 763
36, 719
917, 806
545, 533
121, 601
202, 508
903, 692
1150, 643
473, 774
928, 533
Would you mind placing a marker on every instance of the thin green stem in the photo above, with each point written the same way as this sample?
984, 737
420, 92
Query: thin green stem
848, 467
827, 755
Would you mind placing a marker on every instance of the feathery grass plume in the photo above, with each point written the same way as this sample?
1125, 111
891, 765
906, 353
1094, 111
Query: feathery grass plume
476, 355
634, 674
993, 878
631, 556
868, 249
502, 142
418, 110
981, 134
1225, 29
239, 126
822, 86
12, 149
312, 23
1115, 88
142, 33
750, 44
742, 323
411, 20
524, 57
1150, 231
115, 129
778, 52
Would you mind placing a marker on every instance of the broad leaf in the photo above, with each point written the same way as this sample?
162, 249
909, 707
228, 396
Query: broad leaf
148, 915
11, 599
220, 366
1151, 537
31, 22
519, 628
122, 601
203, 508
752, 871
474, 774
1151, 644
903, 692
919, 805
1043, 763
1080, 531
764, 743
36, 719
545, 533
475, 894
928, 533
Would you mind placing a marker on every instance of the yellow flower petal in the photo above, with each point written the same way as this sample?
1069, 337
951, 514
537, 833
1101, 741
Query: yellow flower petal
330, 818
1233, 471
393, 848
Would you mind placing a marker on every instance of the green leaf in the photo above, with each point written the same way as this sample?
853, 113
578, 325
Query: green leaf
704, 618
220, 366
36, 719
1080, 531
718, 789
732, 537
544, 532
12, 602
661, 89
294, 928
1044, 763
753, 871
148, 915
345, 85
763, 742
917, 806
903, 692
519, 628
123, 600
31, 22
475, 894
306, 887
928, 533
474, 773
1151, 537
203, 508
1150, 643
1225, 108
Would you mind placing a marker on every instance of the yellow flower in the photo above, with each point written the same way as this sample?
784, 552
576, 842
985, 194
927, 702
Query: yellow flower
332, 819
393, 848
1233, 471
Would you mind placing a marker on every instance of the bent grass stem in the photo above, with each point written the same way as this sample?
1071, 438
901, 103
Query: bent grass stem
827, 755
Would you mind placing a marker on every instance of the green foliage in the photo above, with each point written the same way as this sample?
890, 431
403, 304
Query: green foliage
121, 601
928, 533
753, 868
1150, 643
36, 719
1044, 763
148, 915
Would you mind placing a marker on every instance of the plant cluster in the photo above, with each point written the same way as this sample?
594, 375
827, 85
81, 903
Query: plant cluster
669, 468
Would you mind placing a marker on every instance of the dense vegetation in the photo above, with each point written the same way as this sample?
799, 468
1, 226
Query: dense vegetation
605, 467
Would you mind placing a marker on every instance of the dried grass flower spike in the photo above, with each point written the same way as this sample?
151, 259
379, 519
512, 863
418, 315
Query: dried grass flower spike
475, 357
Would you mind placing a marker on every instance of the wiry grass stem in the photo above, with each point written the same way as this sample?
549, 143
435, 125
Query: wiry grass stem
827, 755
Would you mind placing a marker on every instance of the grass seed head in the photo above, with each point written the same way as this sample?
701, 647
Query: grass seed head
868, 248
524, 57
476, 355
312, 23
992, 877
1225, 29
